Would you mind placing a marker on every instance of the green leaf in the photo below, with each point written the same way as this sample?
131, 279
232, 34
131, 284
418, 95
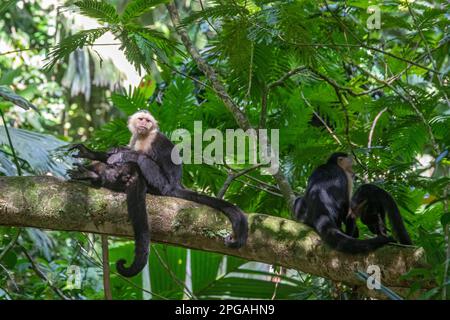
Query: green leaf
100, 10
136, 8
4, 6
38, 150
70, 44
9, 259
445, 219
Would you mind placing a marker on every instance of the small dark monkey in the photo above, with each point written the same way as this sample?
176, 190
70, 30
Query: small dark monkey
326, 204
371, 204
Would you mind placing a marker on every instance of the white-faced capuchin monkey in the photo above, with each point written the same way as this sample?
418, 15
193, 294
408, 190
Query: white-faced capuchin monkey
151, 150
326, 206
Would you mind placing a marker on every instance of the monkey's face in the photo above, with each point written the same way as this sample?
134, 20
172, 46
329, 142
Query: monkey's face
346, 163
142, 123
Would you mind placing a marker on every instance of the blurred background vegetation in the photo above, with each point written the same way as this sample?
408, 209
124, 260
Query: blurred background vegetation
71, 71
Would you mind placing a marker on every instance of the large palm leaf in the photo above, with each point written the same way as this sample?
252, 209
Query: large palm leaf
39, 150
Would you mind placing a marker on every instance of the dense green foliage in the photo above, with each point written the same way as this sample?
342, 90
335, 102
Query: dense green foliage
312, 69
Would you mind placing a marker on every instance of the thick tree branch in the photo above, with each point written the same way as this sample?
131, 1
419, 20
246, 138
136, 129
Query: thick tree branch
46, 202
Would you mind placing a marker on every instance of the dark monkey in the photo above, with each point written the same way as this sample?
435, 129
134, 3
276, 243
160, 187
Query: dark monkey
326, 205
371, 204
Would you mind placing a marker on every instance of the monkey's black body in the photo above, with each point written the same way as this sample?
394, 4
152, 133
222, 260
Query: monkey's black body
371, 203
126, 178
325, 207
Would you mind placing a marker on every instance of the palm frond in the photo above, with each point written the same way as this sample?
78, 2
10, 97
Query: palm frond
100, 10
9, 95
40, 151
70, 44
136, 8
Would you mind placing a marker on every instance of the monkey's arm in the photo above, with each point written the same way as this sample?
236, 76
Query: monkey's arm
86, 153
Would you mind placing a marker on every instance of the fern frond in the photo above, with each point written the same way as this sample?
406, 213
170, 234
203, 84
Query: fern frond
5, 5
141, 45
136, 8
216, 12
132, 51
130, 102
70, 44
100, 10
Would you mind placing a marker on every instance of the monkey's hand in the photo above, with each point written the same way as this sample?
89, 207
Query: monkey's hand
83, 151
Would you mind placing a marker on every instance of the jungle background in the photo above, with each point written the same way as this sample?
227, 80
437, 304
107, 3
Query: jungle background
323, 72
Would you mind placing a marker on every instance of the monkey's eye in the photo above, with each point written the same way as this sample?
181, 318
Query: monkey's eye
140, 119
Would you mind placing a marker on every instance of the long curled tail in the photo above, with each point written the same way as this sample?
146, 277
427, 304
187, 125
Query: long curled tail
235, 215
396, 221
136, 191
339, 241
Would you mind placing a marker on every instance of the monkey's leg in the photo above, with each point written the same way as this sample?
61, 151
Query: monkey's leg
83, 173
86, 153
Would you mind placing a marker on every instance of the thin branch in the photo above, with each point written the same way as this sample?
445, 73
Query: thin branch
173, 276
269, 87
13, 150
250, 71
93, 261
207, 20
105, 267
246, 174
46, 47
447, 245
42, 275
231, 176
361, 44
260, 188
321, 120
286, 76
372, 128
427, 47
9, 274
337, 86
10, 244
408, 100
